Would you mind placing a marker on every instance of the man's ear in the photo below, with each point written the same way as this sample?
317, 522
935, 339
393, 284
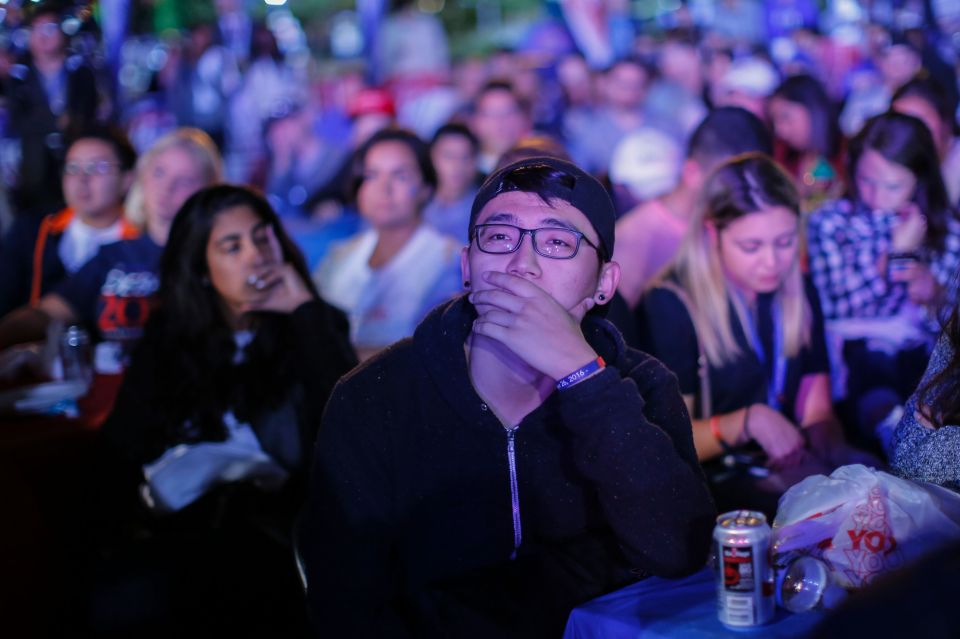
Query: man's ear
607, 282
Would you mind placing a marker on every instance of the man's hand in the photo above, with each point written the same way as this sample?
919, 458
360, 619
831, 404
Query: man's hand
531, 323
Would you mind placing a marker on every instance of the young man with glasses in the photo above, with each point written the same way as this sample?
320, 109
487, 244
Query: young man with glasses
514, 458
38, 255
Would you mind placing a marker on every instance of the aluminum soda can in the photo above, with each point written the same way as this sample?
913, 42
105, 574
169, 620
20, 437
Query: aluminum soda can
745, 596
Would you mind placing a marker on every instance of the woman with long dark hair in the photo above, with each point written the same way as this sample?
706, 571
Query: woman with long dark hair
926, 444
807, 140
206, 452
881, 260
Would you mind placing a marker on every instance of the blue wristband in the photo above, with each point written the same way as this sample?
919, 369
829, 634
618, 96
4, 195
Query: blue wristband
581, 374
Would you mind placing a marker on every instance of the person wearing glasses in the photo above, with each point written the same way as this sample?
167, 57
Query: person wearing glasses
113, 292
39, 253
514, 458
388, 277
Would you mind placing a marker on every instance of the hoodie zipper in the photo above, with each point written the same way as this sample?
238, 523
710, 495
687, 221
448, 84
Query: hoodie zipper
514, 491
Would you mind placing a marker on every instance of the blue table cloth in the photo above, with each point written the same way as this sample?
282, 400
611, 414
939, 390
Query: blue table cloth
669, 608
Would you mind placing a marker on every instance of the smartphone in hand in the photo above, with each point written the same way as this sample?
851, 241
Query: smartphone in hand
898, 264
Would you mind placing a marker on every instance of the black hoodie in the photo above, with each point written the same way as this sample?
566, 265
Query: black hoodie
417, 526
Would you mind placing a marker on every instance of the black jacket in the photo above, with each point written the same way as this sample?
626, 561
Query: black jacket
409, 525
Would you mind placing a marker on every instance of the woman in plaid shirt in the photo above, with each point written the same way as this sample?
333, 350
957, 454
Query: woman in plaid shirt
881, 260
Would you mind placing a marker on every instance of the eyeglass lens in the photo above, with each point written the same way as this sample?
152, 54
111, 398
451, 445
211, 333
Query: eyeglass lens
100, 167
549, 242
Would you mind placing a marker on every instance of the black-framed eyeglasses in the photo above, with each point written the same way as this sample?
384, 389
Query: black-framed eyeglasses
97, 167
555, 242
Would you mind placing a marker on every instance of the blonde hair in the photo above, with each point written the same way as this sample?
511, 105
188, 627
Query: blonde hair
744, 184
196, 142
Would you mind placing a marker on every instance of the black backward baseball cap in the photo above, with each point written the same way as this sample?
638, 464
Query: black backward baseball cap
552, 178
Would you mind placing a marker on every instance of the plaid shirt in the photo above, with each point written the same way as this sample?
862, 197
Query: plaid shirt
845, 242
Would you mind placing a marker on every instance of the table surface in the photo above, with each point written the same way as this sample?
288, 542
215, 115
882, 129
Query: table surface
668, 608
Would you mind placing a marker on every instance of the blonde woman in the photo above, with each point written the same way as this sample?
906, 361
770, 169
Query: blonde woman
737, 323
112, 293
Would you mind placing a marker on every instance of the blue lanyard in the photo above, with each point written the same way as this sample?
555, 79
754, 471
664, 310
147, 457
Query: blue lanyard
774, 386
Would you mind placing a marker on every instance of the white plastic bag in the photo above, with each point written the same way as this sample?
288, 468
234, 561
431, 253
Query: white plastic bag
863, 522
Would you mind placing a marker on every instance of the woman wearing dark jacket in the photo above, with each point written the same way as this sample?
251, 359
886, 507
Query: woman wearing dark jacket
205, 455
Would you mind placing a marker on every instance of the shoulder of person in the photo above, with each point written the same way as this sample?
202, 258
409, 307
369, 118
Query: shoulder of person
651, 376
665, 297
389, 372
74, 63
339, 251
20, 72
832, 211
446, 243
632, 225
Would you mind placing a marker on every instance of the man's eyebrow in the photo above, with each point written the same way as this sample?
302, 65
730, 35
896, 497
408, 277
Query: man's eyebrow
501, 217
554, 222
545, 222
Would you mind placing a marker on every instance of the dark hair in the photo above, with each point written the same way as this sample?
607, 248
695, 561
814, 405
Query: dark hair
633, 61
392, 134
725, 132
501, 85
456, 129
110, 135
905, 140
34, 10
191, 342
938, 398
930, 90
806, 91
264, 44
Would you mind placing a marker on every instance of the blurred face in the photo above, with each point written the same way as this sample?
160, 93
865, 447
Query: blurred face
93, 182
882, 184
680, 63
626, 86
758, 250
46, 38
924, 111
569, 281
574, 76
393, 190
455, 163
168, 180
499, 122
898, 64
239, 248
791, 123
